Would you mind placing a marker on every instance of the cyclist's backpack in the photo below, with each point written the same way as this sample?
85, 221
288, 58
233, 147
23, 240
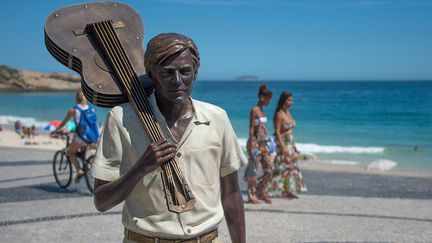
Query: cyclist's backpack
87, 128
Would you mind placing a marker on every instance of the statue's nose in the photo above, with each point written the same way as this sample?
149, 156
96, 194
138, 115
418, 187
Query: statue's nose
177, 77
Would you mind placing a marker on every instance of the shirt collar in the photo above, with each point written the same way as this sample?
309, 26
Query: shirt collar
197, 118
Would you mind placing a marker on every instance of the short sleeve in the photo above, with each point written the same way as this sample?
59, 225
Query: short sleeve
233, 156
106, 165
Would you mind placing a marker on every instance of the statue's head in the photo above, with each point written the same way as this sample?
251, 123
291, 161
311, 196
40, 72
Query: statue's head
172, 61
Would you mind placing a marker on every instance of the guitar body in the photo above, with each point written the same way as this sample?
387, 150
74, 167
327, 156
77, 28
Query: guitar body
70, 41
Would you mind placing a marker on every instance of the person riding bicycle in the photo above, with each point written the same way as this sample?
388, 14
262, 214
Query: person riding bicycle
86, 130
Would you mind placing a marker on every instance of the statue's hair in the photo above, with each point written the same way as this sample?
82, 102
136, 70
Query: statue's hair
164, 45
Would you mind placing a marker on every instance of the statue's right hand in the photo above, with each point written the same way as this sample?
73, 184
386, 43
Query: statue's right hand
157, 154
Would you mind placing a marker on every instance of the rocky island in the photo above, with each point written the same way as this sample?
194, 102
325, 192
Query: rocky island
24, 80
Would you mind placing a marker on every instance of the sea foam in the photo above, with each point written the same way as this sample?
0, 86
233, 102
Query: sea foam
342, 162
25, 121
382, 165
330, 149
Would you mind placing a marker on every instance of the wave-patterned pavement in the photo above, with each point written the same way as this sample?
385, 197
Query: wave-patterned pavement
338, 207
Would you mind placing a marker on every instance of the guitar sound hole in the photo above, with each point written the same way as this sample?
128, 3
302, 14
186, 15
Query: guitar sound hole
101, 63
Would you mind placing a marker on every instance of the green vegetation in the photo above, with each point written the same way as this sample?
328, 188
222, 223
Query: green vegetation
7, 73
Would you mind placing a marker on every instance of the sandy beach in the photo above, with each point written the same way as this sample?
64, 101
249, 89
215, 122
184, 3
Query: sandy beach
343, 203
10, 139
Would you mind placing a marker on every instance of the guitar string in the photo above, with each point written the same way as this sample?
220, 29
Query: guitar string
141, 100
114, 61
170, 178
133, 74
112, 32
129, 88
166, 167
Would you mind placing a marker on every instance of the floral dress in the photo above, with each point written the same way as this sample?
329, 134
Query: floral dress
261, 156
287, 177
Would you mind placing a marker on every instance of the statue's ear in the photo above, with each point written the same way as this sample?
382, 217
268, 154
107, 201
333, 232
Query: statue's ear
195, 75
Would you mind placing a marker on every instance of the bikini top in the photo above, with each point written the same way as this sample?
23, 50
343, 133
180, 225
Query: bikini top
287, 125
260, 120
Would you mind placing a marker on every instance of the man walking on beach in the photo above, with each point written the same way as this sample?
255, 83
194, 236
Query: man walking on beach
199, 135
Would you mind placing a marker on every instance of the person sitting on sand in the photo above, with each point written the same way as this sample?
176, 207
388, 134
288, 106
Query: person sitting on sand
33, 131
257, 149
25, 132
287, 179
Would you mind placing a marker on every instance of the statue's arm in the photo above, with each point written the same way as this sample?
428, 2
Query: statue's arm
108, 194
232, 203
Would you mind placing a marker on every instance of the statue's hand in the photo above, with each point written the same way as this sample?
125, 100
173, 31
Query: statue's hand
156, 155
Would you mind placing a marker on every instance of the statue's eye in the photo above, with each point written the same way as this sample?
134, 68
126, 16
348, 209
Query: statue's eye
165, 72
186, 71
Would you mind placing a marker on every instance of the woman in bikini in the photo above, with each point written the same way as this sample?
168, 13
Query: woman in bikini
256, 148
287, 178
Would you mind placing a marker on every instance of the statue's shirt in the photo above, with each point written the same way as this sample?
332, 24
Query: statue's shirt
207, 151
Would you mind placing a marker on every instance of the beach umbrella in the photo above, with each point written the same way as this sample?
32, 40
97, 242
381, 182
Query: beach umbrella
52, 125
68, 127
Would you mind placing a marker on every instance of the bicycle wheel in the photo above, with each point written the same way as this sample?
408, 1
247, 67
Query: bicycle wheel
62, 169
88, 178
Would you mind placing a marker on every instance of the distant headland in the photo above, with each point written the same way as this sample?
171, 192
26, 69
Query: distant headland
24, 80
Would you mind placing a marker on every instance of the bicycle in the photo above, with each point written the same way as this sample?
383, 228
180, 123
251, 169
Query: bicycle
62, 167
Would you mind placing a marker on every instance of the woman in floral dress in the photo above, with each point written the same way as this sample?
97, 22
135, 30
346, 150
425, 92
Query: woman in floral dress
287, 178
257, 150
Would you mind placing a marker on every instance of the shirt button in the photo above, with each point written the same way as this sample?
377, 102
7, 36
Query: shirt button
178, 154
189, 231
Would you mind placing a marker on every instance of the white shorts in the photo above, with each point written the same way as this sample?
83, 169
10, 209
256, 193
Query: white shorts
79, 140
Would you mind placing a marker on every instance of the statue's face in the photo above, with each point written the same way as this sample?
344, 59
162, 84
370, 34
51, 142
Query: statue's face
174, 77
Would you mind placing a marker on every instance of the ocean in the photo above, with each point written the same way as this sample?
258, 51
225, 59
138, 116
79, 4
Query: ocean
340, 122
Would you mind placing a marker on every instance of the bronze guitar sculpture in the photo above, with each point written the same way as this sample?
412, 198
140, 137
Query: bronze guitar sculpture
103, 43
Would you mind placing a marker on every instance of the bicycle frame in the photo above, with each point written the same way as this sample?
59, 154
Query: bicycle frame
81, 158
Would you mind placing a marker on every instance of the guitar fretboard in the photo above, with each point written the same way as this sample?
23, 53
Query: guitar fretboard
177, 191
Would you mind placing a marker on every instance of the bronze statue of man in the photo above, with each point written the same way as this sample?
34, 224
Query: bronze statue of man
198, 134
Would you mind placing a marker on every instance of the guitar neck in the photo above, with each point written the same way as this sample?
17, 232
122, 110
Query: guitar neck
177, 191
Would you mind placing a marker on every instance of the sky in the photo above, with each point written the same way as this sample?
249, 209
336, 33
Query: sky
273, 39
